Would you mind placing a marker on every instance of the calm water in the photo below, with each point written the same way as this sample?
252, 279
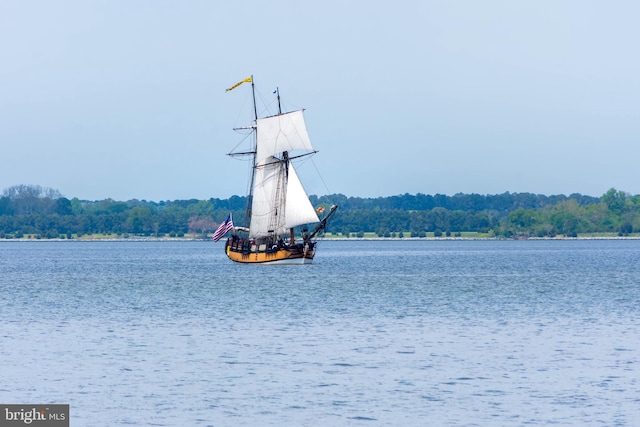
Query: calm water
442, 333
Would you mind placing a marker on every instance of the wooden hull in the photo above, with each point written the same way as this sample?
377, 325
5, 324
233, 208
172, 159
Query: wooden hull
297, 254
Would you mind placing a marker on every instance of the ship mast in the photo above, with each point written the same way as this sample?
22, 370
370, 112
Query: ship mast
285, 158
279, 106
254, 149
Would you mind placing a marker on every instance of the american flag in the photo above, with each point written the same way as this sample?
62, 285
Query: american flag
225, 227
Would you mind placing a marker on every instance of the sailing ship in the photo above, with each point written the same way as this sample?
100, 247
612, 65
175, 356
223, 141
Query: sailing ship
277, 203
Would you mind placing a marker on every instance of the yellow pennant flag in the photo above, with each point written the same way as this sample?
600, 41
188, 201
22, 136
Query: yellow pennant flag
247, 80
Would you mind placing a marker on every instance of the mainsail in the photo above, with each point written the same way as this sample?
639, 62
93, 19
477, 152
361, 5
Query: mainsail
267, 213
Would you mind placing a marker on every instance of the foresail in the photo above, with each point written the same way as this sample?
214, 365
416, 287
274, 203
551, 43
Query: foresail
284, 132
298, 209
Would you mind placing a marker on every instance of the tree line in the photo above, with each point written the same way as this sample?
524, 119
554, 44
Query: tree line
40, 212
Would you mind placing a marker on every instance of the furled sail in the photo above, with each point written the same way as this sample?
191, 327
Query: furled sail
284, 132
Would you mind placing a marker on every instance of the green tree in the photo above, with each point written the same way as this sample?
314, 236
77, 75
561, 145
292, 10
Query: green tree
139, 220
566, 217
63, 206
76, 206
201, 207
614, 200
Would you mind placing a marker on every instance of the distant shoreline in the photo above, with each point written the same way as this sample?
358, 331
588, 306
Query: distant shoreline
330, 239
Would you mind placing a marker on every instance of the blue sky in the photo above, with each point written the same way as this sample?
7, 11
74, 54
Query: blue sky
125, 99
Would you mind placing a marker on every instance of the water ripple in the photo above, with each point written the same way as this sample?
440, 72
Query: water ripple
380, 333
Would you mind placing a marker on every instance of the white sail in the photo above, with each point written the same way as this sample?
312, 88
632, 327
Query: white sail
273, 210
284, 132
298, 208
278, 200
267, 210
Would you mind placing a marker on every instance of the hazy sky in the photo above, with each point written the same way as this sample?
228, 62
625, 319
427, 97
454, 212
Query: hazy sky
126, 99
